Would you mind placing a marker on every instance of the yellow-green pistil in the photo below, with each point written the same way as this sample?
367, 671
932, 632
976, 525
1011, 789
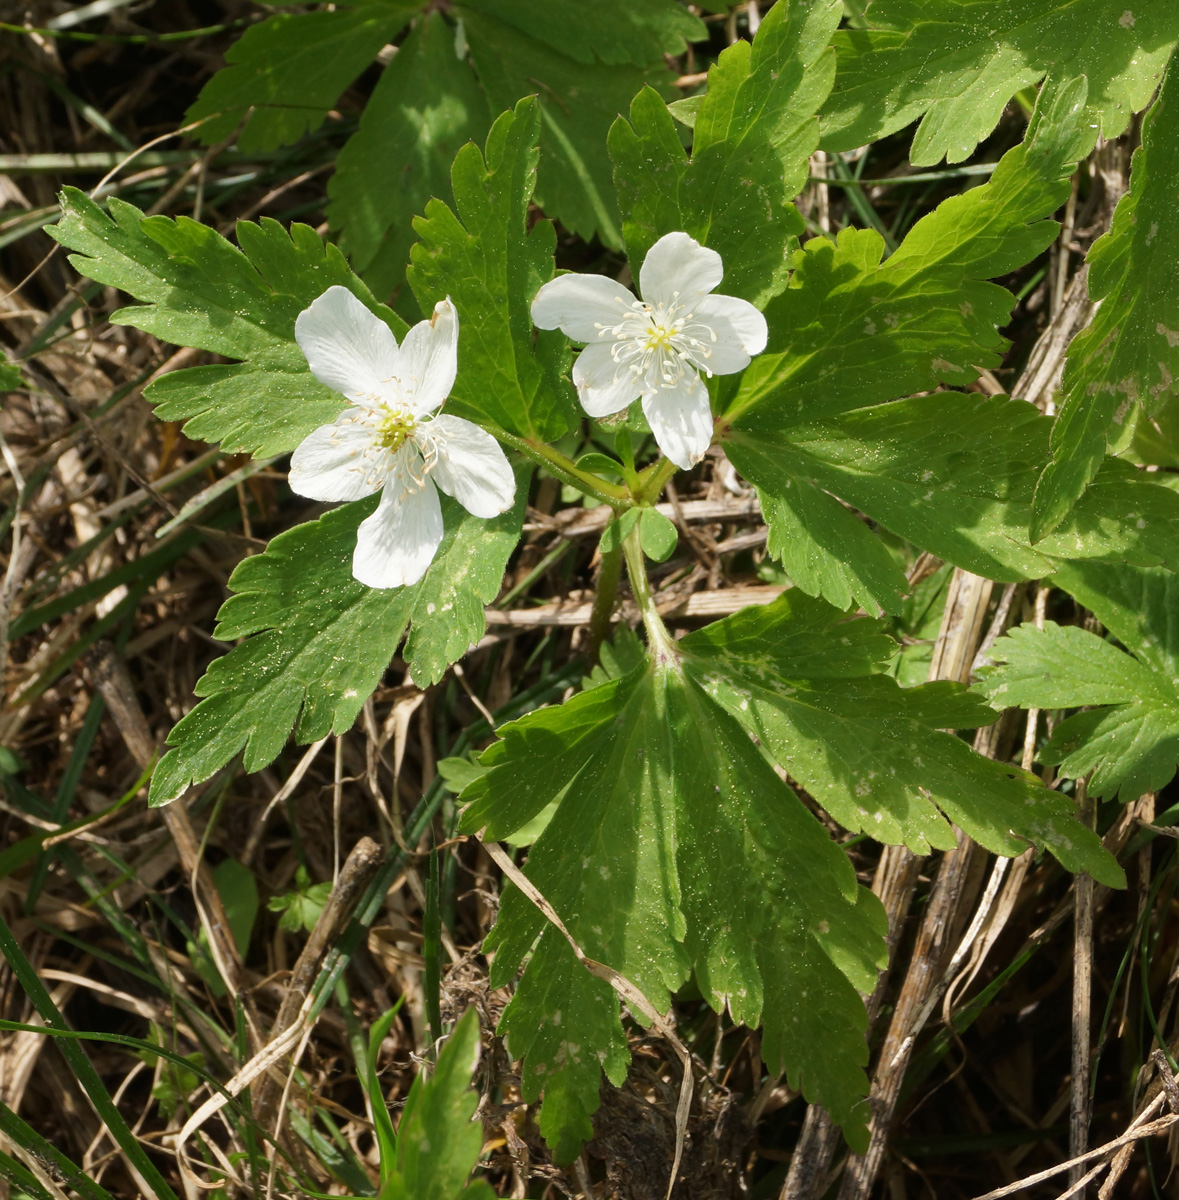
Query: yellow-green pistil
397, 424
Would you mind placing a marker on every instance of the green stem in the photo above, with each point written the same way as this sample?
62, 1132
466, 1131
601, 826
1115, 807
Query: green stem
653, 480
566, 469
660, 643
431, 940
626, 454
604, 599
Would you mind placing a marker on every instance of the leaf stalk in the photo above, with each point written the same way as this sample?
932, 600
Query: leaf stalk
604, 597
660, 643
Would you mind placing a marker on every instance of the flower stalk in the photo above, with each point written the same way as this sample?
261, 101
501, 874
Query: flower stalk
566, 470
653, 480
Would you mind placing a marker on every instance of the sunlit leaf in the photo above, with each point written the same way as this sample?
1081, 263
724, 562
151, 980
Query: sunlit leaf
956, 63
491, 264
1129, 354
197, 289
317, 641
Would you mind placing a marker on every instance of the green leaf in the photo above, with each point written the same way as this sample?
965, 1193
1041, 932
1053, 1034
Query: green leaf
1062, 666
665, 800
754, 132
953, 474
610, 31
1137, 606
617, 658
370, 1080
10, 376
491, 265
301, 908
565, 1026
290, 70
852, 330
438, 1142
828, 551
664, 803
657, 535
872, 753
1129, 355
238, 890
427, 103
917, 625
458, 772
1131, 743
957, 63
317, 641
199, 290
175, 1085
578, 102
618, 529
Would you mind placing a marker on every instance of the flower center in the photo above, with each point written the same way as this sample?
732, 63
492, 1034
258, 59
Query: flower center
396, 425
659, 343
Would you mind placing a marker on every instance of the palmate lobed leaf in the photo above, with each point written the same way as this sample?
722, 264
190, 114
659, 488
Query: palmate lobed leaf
1128, 356
286, 72
676, 849
953, 474
753, 134
199, 290
1130, 742
672, 808
491, 265
318, 642
956, 63
421, 111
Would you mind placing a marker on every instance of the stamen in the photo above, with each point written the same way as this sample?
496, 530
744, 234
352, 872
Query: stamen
396, 425
657, 344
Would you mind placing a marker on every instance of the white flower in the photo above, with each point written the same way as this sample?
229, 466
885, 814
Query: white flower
387, 439
656, 347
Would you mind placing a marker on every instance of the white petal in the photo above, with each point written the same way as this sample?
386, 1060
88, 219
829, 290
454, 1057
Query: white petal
340, 461
681, 420
740, 333
677, 268
347, 348
397, 543
580, 305
471, 466
602, 386
429, 359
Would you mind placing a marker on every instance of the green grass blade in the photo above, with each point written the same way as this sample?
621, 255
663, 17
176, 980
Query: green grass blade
81, 1066
70, 1175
